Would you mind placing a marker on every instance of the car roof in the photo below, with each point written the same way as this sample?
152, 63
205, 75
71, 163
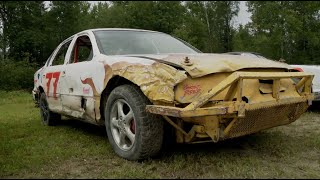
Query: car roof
111, 29
116, 29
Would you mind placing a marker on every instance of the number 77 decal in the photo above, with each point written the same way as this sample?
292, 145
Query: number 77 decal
49, 76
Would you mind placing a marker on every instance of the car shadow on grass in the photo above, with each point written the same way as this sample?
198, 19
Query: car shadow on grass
239, 143
262, 142
83, 127
268, 143
315, 107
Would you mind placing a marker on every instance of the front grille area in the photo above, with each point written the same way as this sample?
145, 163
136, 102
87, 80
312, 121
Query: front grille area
263, 118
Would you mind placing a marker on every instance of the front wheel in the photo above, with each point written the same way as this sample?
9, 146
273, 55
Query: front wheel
133, 133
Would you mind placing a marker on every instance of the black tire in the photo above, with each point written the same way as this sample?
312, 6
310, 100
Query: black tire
48, 117
148, 128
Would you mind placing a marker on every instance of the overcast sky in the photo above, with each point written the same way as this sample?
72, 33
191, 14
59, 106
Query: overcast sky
243, 15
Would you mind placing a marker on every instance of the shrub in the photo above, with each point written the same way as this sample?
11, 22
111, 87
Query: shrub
16, 75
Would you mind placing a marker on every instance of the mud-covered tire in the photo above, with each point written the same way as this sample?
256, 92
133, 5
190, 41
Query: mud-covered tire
148, 128
48, 117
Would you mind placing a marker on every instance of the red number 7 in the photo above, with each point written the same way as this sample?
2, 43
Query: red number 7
49, 76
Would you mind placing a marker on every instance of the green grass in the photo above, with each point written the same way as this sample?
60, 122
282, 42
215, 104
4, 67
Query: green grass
76, 149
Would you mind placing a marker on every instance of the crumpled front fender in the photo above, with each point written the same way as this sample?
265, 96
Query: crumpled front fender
155, 80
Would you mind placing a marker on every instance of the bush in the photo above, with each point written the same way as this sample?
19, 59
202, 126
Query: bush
16, 75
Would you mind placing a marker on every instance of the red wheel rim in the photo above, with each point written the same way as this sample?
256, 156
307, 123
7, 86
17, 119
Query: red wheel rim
133, 126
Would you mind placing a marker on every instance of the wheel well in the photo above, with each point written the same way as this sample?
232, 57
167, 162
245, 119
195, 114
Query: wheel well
113, 83
118, 81
37, 96
41, 89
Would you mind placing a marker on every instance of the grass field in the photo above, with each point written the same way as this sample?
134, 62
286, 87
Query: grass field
78, 150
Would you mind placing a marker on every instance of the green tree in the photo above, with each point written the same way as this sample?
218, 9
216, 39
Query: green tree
64, 19
164, 16
209, 24
22, 26
223, 30
243, 39
99, 16
287, 29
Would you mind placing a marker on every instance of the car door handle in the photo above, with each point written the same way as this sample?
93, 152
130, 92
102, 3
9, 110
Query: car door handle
63, 73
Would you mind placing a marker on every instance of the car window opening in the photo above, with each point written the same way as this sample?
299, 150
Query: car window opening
82, 50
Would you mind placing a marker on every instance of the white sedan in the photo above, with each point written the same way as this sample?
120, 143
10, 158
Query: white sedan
314, 69
137, 83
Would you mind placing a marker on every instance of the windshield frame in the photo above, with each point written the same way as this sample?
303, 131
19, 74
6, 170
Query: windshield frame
99, 44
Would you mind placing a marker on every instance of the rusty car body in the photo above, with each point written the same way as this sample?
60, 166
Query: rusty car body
314, 69
204, 97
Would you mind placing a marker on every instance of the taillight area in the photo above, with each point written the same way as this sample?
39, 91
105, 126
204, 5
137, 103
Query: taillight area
298, 69
296, 80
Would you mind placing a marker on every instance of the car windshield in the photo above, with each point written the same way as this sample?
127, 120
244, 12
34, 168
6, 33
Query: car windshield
112, 42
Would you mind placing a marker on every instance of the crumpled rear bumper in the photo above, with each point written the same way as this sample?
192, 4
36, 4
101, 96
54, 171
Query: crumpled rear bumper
35, 96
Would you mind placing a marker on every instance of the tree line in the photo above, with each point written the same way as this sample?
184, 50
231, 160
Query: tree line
278, 29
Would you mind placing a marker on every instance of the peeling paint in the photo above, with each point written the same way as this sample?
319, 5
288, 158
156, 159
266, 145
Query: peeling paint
96, 94
156, 81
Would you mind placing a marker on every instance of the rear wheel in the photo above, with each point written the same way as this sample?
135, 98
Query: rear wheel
48, 117
133, 133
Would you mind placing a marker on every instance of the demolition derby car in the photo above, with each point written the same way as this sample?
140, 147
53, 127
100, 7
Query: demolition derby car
136, 83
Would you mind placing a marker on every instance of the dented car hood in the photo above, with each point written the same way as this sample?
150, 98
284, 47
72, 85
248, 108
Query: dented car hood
202, 64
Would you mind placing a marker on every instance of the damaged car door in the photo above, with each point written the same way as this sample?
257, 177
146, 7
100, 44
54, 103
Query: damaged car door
78, 79
51, 77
